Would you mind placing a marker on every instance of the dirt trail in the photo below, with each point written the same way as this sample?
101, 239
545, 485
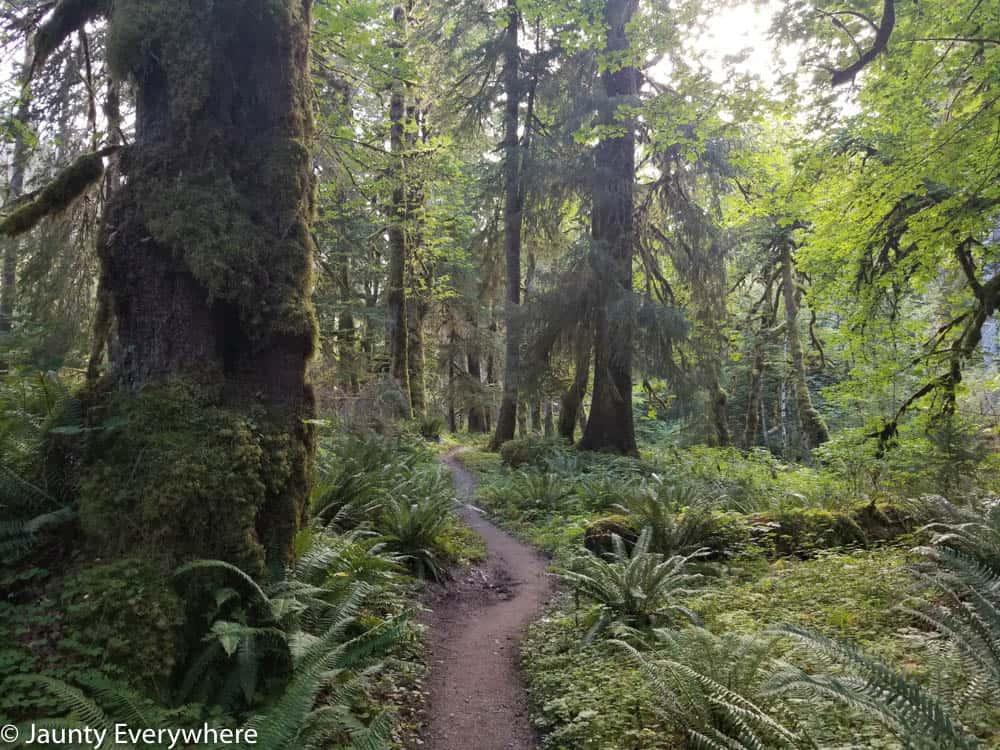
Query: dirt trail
476, 700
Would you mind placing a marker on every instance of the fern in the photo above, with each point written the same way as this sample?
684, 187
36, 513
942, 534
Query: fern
711, 687
871, 686
638, 588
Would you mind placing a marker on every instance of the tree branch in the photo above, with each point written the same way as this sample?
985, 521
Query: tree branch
878, 46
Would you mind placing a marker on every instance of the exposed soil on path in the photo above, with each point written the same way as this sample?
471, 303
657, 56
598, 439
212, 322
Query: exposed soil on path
476, 699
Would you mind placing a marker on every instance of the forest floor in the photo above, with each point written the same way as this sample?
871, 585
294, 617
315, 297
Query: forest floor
476, 696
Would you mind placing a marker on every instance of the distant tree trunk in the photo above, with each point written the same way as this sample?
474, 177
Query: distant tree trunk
572, 400
208, 256
508, 417
19, 166
452, 412
611, 425
415, 359
550, 425
399, 357
812, 428
477, 415
755, 410
491, 380
417, 305
536, 416
522, 420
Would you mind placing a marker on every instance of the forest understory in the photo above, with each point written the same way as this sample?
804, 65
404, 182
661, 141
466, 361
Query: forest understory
558, 374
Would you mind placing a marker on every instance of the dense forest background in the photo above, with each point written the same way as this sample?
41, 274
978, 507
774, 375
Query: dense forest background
254, 253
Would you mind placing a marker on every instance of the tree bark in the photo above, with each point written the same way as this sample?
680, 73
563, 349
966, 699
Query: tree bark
812, 428
208, 255
757, 368
477, 415
572, 400
19, 166
611, 424
508, 417
399, 329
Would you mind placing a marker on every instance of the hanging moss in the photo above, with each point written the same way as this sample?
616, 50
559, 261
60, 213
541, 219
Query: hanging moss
67, 17
175, 473
57, 196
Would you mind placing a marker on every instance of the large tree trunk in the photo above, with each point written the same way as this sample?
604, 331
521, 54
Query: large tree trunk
812, 428
508, 417
399, 329
204, 445
611, 425
572, 400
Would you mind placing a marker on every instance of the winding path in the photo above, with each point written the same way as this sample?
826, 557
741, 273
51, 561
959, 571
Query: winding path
476, 699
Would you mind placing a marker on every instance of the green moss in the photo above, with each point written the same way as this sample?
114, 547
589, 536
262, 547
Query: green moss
179, 475
57, 196
796, 531
237, 213
128, 609
66, 18
598, 537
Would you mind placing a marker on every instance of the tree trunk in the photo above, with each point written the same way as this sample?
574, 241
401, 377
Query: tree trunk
19, 166
572, 400
477, 416
550, 424
611, 425
508, 417
758, 365
812, 428
399, 330
208, 256
536, 416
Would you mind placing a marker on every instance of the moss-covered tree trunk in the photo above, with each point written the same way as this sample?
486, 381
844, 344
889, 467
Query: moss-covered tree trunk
508, 417
758, 366
572, 400
611, 425
203, 444
812, 428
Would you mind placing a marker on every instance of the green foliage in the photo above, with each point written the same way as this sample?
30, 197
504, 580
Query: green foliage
129, 613
714, 687
681, 523
430, 427
533, 451
875, 689
965, 574
413, 526
639, 588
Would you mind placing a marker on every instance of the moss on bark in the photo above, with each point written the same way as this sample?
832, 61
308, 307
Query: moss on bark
177, 473
57, 196
208, 258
